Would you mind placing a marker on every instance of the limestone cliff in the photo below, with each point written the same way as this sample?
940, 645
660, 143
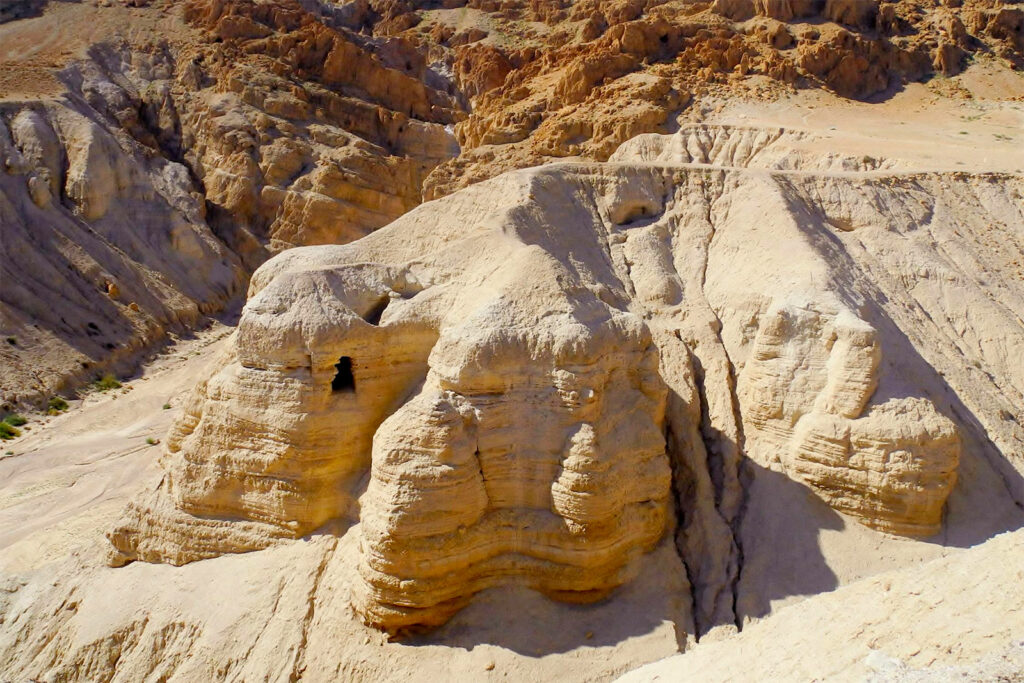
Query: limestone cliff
106, 250
528, 381
304, 123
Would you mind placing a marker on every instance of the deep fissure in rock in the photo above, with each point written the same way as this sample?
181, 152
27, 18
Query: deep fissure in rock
682, 489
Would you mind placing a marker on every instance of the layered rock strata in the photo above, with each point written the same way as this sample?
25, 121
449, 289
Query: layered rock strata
806, 388
106, 249
188, 160
528, 381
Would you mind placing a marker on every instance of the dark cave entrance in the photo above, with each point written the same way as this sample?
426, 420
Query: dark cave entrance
344, 380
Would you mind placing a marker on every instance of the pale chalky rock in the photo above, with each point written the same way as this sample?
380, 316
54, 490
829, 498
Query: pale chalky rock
805, 390
432, 378
523, 382
106, 250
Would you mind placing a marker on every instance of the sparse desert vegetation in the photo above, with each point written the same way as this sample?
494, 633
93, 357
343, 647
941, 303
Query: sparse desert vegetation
106, 383
56, 405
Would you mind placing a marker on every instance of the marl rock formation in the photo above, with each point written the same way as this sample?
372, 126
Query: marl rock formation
533, 380
300, 123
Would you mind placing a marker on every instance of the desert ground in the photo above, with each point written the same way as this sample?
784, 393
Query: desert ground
731, 391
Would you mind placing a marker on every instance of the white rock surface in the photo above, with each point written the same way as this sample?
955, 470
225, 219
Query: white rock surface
787, 347
520, 351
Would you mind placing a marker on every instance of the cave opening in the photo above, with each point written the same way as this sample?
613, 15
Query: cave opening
374, 315
344, 380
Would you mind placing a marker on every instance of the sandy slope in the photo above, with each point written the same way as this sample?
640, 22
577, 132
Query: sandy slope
69, 473
980, 127
958, 617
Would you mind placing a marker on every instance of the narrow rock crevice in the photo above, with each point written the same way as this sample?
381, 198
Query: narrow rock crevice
741, 474
708, 433
737, 539
682, 489
712, 446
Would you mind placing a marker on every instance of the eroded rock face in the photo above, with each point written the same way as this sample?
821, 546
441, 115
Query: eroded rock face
303, 123
301, 132
605, 72
529, 381
191, 159
805, 392
446, 381
476, 502
297, 132
783, 10
106, 250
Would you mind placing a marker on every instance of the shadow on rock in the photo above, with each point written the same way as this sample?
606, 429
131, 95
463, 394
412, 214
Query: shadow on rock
780, 541
655, 606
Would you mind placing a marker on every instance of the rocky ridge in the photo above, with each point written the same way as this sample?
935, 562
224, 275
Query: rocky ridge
841, 375
314, 123
263, 141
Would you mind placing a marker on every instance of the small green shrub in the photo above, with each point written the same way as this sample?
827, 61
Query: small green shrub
15, 420
167, 406
57, 405
151, 441
106, 382
8, 432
